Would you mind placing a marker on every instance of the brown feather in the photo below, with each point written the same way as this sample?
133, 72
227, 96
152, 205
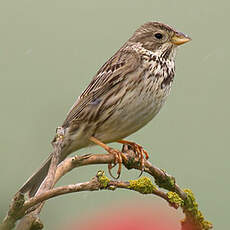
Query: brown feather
110, 74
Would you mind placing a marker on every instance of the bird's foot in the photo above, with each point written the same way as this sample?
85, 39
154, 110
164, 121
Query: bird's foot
139, 150
117, 154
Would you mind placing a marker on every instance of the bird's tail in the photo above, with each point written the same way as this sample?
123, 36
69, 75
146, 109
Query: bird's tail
33, 183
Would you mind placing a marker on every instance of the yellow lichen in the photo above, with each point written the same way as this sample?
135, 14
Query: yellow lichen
191, 211
175, 199
142, 185
103, 179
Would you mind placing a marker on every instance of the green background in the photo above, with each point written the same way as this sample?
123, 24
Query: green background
49, 51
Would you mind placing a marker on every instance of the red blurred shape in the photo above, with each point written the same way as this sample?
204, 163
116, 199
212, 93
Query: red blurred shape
129, 216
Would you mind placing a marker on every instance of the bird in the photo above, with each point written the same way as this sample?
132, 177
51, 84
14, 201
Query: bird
124, 95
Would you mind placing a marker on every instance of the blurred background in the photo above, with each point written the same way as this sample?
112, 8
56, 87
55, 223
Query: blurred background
50, 50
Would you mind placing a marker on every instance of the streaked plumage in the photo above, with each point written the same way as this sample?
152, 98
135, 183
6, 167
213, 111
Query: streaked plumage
125, 94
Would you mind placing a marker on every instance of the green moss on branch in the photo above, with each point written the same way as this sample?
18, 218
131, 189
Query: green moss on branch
167, 182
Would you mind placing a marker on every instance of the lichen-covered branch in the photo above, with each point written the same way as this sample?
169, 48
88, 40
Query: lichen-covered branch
175, 196
142, 185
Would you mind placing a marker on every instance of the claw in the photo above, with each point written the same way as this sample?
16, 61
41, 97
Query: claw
118, 160
110, 166
139, 151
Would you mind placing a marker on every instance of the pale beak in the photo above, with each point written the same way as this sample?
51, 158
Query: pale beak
180, 38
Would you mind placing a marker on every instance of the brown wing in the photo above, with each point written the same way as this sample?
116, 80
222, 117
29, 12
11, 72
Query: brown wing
110, 74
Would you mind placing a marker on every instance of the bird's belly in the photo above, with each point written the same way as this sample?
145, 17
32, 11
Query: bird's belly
130, 115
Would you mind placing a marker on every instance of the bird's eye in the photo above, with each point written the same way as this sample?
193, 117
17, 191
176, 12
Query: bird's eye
158, 36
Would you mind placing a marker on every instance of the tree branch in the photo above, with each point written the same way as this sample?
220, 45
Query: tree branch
175, 196
32, 220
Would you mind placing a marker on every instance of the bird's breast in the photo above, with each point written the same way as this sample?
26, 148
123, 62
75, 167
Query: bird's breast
137, 101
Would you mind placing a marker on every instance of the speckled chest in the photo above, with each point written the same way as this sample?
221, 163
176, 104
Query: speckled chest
157, 68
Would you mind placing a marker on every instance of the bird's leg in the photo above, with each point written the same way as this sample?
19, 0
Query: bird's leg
139, 151
118, 156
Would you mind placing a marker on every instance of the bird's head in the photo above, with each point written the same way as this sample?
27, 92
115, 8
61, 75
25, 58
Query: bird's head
158, 37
